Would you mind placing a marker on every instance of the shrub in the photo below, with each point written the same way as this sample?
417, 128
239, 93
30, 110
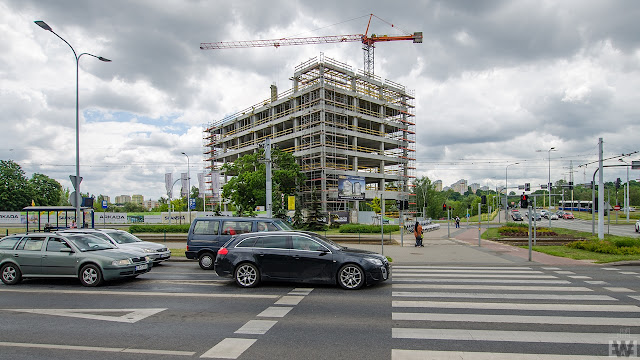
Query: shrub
184, 228
605, 247
367, 229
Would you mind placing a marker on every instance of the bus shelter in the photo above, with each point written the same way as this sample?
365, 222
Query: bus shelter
52, 218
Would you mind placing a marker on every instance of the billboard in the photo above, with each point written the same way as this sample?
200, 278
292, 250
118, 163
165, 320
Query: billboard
351, 187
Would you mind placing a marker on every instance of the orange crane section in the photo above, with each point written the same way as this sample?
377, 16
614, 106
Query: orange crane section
368, 43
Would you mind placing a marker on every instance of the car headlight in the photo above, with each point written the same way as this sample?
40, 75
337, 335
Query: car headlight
123, 262
376, 262
149, 250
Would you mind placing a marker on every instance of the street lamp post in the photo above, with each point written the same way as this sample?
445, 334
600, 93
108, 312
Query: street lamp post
189, 188
506, 190
626, 193
77, 179
549, 183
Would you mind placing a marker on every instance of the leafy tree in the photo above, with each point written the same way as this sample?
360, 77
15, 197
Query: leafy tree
247, 188
15, 193
313, 222
46, 191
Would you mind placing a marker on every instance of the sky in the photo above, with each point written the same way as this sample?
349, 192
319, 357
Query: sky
496, 83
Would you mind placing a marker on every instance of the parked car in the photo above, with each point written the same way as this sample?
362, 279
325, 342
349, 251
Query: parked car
554, 216
298, 256
207, 235
90, 259
516, 216
544, 213
567, 216
122, 239
560, 213
638, 226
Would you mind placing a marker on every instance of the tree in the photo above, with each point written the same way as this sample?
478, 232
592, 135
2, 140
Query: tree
46, 191
15, 193
247, 187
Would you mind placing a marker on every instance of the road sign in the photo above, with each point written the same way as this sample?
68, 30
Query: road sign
635, 165
192, 203
543, 187
616, 208
104, 204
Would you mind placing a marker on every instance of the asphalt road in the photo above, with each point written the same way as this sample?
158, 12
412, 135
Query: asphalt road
178, 311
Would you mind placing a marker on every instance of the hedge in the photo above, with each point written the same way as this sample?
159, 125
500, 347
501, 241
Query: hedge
159, 228
367, 229
608, 247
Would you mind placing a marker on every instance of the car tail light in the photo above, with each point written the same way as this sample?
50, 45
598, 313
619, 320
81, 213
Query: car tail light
187, 247
223, 251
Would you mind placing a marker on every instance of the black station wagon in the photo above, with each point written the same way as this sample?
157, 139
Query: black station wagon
298, 256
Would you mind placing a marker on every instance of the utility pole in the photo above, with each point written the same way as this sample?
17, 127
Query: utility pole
267, 154
600, 191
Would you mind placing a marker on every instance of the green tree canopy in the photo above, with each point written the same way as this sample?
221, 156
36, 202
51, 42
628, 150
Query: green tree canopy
247, 187
15, 192
46, 191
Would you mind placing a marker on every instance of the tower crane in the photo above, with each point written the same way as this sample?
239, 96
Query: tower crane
368, 43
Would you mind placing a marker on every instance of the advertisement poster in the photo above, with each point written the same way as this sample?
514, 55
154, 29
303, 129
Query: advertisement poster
351, 187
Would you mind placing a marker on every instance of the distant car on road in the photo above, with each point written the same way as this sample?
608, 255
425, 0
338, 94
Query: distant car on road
554, 216
638, 226
567, 216
516, 216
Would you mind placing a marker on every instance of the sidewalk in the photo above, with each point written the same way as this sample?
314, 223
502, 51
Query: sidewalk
462, 248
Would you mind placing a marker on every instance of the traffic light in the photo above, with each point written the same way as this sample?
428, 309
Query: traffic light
484, 199
527, 186
444, 207
618, 183
524, 201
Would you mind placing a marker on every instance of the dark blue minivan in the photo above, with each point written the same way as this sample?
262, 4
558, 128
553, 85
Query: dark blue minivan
208, 234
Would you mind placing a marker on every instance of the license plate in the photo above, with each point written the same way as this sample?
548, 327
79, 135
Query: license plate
141, 267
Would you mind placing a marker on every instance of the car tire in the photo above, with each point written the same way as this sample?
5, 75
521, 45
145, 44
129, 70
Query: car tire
11, 274
351, 277
207, 260
90, 275
247, 275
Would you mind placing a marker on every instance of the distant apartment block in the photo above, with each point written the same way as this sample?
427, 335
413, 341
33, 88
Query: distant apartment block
437, 185
460, 186
474, 187
123, 199
137, 199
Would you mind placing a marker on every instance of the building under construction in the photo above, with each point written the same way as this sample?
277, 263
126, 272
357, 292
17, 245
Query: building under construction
338, 124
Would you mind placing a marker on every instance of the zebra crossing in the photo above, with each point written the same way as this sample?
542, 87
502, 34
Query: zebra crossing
517, 312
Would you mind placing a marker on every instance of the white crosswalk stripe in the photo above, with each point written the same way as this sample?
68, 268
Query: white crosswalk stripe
484, 309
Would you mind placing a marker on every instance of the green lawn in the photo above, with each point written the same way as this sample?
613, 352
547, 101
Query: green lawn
579, 254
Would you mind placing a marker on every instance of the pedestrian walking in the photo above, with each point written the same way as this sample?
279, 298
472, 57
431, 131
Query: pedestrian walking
417, 232
457, 222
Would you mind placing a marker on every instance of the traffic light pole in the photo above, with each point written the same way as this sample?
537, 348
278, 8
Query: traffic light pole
479, 223
529, 209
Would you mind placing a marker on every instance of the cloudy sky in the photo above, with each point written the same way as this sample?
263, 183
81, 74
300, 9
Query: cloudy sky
495, 82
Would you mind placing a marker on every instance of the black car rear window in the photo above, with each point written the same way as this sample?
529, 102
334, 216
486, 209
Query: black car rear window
272, 242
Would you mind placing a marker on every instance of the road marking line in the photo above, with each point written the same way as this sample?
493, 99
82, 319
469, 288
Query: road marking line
460, 267
400, 354
467, 271
301, 291
229, 348
551, 268
137, 293
596, 282
635, 297
618, 289
517, 319
628, 273
504, 336
427, 275
95, 348
492, 281
564, 272
503, 296
190, 282
256, 327
579, 277
614, 269
275, 311
514, 306
491, 287
131, 316
289, 300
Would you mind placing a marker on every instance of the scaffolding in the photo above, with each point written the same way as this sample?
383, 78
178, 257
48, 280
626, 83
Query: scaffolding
336, 122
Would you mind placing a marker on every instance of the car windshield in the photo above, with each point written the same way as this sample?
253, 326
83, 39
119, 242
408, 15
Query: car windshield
86, 242
123, 237
282, 225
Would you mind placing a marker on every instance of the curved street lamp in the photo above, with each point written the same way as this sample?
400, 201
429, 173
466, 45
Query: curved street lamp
77, 179
189, 187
